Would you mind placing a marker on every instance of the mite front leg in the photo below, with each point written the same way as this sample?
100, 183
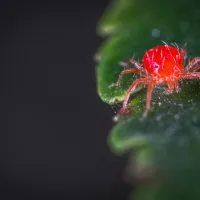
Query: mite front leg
130, 90
193, 65
126, 71
138, 66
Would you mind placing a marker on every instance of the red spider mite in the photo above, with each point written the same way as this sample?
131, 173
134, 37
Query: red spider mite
161, 64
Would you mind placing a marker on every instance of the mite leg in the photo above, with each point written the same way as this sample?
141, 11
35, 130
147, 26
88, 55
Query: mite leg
170, 87
148, 101
130, 90
126, 71
193, 65
176, 86
184, 55
124, 64
195, 68
138, 66
191, 75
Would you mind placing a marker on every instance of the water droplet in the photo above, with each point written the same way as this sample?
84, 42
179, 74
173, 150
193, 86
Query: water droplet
176, 116
155, 33
158, 118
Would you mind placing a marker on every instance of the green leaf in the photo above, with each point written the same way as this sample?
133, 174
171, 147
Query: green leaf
169, 137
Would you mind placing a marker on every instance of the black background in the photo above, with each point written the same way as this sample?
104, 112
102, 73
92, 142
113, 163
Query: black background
54, 127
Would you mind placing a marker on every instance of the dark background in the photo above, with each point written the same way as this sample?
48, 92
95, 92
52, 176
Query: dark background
54, 127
